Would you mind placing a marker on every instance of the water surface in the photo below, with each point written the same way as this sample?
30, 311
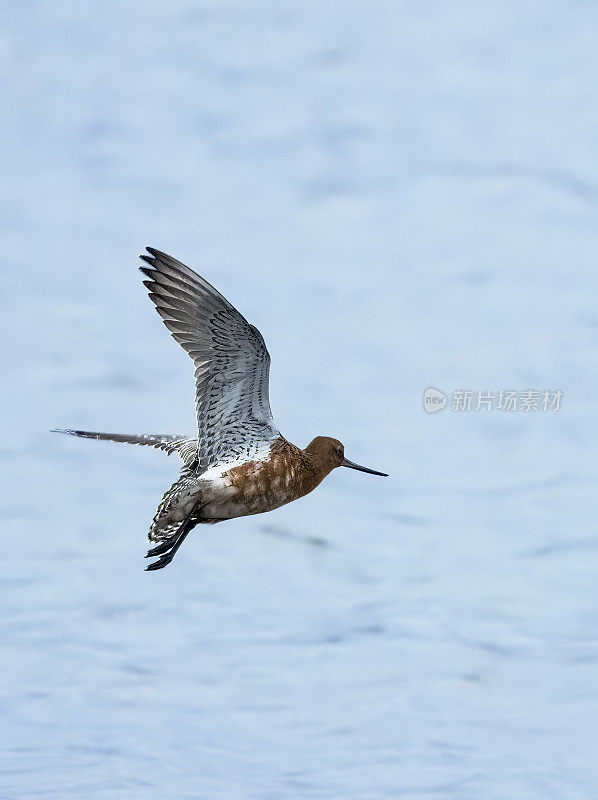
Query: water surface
399, 196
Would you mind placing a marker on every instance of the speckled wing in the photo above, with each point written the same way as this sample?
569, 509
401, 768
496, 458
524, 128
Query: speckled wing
231, 361
169, 443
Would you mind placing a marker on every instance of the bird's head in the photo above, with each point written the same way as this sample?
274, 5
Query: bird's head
329, 453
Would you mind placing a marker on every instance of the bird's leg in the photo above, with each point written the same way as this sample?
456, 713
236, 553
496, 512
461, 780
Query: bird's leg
168, 548
164, 546
167, 557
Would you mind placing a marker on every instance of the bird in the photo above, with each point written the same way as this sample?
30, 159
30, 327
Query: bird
239, 463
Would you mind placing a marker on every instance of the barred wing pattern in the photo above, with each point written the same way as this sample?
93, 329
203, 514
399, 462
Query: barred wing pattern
169, 443
231, 361
164, 523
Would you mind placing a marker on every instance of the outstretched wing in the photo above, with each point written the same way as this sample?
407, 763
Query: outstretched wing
169, 443
231, 361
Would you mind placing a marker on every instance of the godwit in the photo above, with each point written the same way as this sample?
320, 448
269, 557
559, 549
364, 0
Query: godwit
239, 464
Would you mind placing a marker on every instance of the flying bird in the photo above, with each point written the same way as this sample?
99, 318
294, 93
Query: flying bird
239, 463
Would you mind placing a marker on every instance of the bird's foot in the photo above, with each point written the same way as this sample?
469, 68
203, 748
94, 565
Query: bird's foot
169, 546
162, 562
163, 547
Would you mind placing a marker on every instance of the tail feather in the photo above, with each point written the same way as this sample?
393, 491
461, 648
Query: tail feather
169, 443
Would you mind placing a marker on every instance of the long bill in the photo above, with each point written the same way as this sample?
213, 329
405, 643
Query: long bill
352, 465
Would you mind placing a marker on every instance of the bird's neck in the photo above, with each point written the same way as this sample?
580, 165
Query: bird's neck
305, 468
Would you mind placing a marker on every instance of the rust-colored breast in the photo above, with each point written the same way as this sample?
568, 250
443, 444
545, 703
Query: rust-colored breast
286, 475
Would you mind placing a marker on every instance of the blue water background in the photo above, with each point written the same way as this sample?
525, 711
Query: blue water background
398, 195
